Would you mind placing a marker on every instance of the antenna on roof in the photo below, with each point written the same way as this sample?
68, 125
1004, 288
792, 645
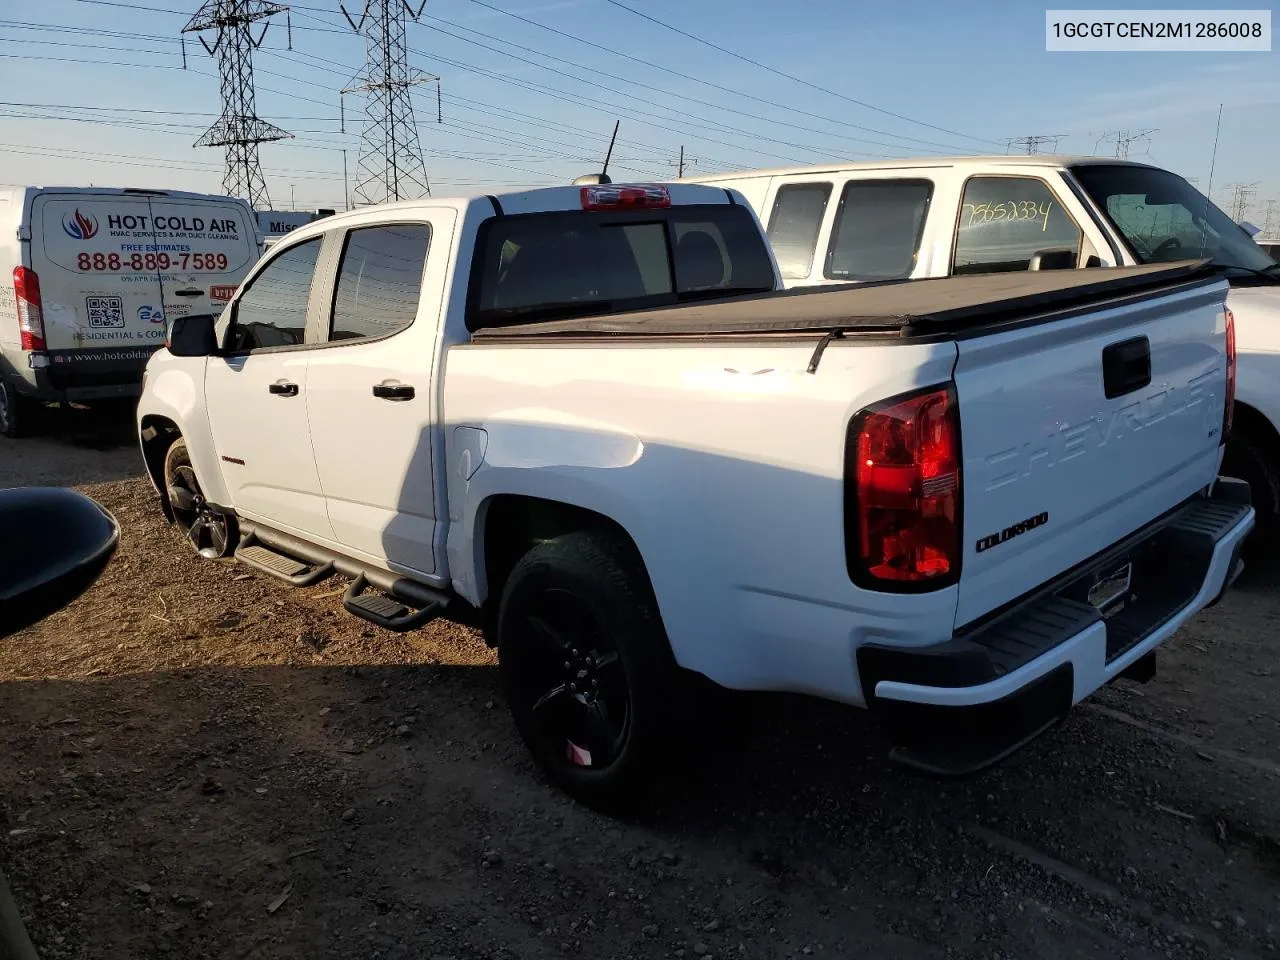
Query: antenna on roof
604, 171
603, 175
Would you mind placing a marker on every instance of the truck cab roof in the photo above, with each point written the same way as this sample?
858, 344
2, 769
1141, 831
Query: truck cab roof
1055, 161
510, 202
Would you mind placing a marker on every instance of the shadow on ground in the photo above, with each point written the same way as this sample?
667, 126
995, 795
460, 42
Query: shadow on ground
390, 812
74, 446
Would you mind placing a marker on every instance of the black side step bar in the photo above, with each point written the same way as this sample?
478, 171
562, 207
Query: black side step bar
274, 563
389, 613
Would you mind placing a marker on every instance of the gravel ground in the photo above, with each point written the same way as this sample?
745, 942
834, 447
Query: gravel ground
200, 763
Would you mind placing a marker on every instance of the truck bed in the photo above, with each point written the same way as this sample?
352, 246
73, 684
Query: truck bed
902, 308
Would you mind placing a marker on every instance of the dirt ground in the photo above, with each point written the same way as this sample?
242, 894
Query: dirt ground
200, 762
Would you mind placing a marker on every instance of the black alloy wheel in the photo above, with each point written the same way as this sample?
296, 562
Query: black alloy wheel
571, 680
209, 531
588, 673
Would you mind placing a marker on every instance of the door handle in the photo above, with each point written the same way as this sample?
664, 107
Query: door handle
393, 391
283, 388
188, 293
1126, 366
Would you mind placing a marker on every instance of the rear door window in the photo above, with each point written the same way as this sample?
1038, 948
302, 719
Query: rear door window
1005, 221
794, 224
877, 229
272, 310
569, 264
379, 281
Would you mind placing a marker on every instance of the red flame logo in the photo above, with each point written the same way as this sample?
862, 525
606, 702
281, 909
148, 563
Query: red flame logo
79, 226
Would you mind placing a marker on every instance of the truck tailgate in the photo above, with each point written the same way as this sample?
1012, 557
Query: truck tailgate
1067, 448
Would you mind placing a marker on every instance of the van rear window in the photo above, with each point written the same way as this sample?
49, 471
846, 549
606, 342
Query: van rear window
552, 266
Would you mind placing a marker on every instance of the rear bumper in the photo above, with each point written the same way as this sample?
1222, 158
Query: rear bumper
961, 705
82, 375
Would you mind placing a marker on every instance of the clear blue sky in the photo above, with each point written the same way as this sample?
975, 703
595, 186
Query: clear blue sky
978, 69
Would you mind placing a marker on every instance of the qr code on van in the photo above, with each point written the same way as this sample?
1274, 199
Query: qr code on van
105, 311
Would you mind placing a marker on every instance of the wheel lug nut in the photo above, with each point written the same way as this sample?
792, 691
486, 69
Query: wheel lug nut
568, 665
573, 687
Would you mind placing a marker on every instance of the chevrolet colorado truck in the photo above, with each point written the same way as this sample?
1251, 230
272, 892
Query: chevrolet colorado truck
590, 418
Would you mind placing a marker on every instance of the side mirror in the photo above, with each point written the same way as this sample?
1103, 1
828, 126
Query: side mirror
193, 336
1057, 258
56, 543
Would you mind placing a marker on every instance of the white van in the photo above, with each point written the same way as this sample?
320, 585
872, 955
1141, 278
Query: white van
898, 219
88, 278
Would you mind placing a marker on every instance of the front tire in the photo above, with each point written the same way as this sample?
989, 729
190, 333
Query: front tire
210, 532
586, 666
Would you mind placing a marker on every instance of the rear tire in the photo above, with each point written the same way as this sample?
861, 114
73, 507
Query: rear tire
209, 532
1253, 459
588, 673
19, 415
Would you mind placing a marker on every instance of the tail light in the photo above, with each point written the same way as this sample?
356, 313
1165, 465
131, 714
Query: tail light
26, 289
902, 493
1229, 411
609, 197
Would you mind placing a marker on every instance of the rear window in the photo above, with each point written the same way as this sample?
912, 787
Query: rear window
550, 266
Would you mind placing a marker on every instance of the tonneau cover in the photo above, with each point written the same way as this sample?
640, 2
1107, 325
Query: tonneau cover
908, 306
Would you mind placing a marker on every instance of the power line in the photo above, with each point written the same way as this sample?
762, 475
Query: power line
477, 106
665, 121
788, 76
675, 112
655, 66
612, 51
638, 83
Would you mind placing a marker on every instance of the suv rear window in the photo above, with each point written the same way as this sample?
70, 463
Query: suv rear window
552, 266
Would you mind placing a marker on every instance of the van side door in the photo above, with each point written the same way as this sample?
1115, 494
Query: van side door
374, 407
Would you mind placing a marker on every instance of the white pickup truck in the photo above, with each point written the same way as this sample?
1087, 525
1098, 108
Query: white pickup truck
589, 416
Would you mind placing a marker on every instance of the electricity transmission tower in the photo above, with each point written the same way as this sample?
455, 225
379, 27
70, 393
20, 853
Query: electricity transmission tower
390, 165
1032, 144
1123, 139
1270, 219
1242, 197
239, 128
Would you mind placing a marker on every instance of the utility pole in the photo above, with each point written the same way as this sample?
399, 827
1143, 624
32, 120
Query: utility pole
390, 166
1123, 139
681, 163
239, 128
346, 184
1032, 144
